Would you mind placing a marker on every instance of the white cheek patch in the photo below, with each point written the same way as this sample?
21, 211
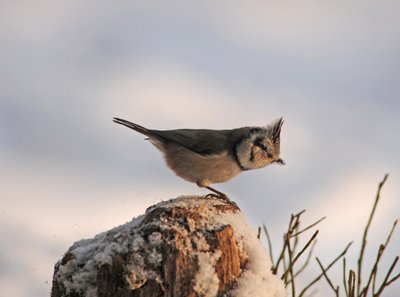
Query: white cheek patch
243, 151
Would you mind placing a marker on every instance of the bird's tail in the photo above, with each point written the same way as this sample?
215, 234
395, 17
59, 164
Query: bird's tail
133, 126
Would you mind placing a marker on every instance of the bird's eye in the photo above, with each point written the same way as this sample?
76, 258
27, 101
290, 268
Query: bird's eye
258, 142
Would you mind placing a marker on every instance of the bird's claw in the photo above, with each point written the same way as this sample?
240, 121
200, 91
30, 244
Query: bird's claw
221, 197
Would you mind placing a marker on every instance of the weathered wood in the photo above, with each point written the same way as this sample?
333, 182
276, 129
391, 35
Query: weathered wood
183, 247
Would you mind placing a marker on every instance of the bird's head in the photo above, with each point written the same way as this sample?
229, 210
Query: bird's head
261, 146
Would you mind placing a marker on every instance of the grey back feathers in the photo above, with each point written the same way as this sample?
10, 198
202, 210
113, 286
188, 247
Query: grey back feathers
211, 156
201, 141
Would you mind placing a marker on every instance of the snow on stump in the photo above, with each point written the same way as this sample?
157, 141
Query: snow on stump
189, 246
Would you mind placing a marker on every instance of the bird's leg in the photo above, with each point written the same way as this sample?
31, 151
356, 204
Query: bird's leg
219, 194
204, 184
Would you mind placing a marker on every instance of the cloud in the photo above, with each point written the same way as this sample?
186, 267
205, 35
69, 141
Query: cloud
309, 26
167, 93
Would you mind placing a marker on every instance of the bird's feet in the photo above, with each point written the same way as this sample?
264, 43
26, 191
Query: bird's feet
212, 195
223, 197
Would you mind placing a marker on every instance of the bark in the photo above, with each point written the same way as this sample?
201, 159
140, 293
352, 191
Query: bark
182, 247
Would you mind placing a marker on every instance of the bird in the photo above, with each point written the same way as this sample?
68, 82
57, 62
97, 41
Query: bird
205, 156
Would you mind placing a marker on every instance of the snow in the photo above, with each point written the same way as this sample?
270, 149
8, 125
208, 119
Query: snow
79, 274
256, 279
155, 238
206, 280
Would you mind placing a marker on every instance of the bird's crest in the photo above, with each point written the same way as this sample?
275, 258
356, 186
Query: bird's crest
274, 130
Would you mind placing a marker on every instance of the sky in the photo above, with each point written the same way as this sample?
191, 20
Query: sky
331, 69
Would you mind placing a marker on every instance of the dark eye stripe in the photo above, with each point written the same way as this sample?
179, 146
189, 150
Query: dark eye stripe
258, 142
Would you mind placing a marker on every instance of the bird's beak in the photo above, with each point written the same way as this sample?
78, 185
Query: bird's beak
280, 162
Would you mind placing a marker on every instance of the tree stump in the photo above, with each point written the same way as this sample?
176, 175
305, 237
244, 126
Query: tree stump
189, 246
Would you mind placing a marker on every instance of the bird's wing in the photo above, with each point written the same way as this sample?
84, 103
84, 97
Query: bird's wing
133, 126
205, 142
